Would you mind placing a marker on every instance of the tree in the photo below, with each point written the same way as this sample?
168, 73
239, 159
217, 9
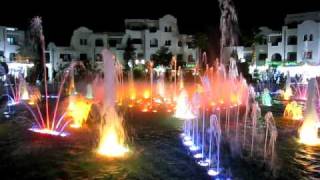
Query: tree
33, 49
201, 42
129, 53
162, 57
28, 49
252, 40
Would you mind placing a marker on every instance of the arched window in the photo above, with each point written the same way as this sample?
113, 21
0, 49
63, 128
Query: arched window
311, 37
276, 57
166, 29
305, 37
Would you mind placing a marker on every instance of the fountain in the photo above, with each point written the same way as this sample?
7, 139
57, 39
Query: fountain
132, 90
17, 93
300, 91
215, 134
78, 110
233, 70
112, 135
271, 137
161, 83
288, 91
184, 112
255, 115
89, 94
183, 108
44, 123
250, 97
72, 87
293, 111
228, 27
308, 132
23, 89
266, 99
180, 75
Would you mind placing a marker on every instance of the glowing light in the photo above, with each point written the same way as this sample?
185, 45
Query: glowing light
133, 96
78, 110
194, 148
183, 110
158, 100
287, 94
31, 103
48, 131
145, 109
213, 172
234, 98
188, 143
221, 101
12, 103
293, 111
266, 98
203, 163
146, 94
112, 136
308, 133
25, 93
198, 155
89, 93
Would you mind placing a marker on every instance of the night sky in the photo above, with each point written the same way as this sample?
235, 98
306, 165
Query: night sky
60, 19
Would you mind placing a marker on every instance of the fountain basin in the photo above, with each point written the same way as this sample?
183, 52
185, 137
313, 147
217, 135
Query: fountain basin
49, 132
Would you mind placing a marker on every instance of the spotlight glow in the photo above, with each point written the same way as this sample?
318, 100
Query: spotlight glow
49, 132
212, 172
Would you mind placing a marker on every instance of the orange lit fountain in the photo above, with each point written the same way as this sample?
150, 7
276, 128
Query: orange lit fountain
293, 111
308, 132
288, 91
183, 108
78, 110
112, 136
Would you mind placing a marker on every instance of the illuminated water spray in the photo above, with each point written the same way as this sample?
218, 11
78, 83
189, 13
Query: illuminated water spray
45, 123
308, 132
293, 111
112, 135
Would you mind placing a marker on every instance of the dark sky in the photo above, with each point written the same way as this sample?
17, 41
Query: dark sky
60, 18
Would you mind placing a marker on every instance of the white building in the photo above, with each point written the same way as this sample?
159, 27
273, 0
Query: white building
150, 35
147, 36
11, 39
297, 42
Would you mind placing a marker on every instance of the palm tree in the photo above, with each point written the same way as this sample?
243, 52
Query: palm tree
129, 53
201, 42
